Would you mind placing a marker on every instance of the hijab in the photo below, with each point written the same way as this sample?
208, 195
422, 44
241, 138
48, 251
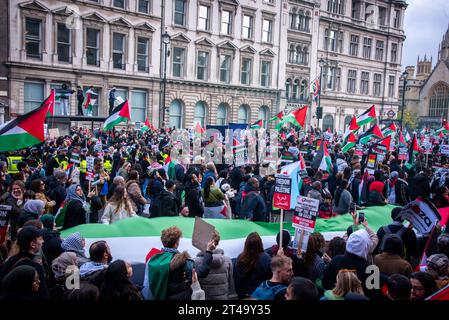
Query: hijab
34, 206
19, 282
71, 194
48, 221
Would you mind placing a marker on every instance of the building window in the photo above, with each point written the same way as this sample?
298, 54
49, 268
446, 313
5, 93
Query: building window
226, 22
391, 86
382, 16
305, 56
57, 108
203, 17
291, 53
119, 3
264, 113
354, 46
178, 62
394, 52
96, 96
118, 50
303, 90
121, 94
439, 102
364, 83
225, 68
243, 114
356, 9
295, 90
377, 84
267, 33
180, 12
92, 46
222, 114
265, 74
34, 95
245, 74
333, 40
298, 55
64, 44
397, 19
367, 43
200, 114
176, 114
347, 121
335, 6
202, 65
379, 50
288, 85
352, 78
328, 122
247, 31
142, 54
332, 77
33, 38
144, 6
138, 105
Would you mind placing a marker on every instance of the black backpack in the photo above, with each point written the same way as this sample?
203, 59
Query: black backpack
390, 235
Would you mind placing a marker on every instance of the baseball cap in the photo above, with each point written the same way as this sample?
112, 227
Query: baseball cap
28, 234
438, 262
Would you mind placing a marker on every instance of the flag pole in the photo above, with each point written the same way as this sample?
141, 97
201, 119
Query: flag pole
281, 227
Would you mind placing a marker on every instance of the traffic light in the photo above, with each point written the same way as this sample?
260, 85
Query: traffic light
319, 112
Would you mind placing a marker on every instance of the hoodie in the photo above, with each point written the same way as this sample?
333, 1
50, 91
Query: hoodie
359, 244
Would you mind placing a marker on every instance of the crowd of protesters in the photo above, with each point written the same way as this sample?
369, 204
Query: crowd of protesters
132, 177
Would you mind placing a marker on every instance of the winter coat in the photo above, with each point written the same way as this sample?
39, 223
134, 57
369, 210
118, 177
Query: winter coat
58, 193
376, 199
135, 197
52, 245
236, 177
74, 215
219, 284
408, 239
390, 264
245, 284
112, 215
193, 201
252, 205
207, 174
180, 277
343, 204
46, 201
169, 204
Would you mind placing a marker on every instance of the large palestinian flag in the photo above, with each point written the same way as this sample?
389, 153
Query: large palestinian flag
326, 161
353, 126
296, 118
26, 130
350, 143
120, 114
131, 239
366, 117
373, 132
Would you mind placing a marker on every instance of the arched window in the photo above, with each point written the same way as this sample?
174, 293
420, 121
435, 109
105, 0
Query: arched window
347, 121
291, 53
301, 20
305, 56
293, 18
303, 91
288, 89
299, 55
295, 89
439, 101
328, 122
200, 114
222, 113
307, 22
243, 115
176, 114
264, 113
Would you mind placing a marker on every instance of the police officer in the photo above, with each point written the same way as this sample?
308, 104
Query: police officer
60, 161
107, 160
13, 160
34, 159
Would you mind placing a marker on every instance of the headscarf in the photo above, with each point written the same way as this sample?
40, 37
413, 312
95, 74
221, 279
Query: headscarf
34, 206
19, 281
60, 264
73, 243
71, 194
48, 221
377, 186
359, 243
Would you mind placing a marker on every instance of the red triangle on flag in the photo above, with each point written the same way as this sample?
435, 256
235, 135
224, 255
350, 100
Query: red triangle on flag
377, 132
124, 111
34, 123
372, 111
300, 115
352, 138
353, 125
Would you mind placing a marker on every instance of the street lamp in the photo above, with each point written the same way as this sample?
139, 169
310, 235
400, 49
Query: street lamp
319, 110
404, 79
166, 42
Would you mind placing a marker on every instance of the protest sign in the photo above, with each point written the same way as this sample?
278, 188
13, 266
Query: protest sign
381, 151
240, 156
304, 220
422, 214
5, 212
403, 152
359, 149
53, 133
427, 147
444, 149
75, 158
90, 168
371, 163
282, 189
202, 234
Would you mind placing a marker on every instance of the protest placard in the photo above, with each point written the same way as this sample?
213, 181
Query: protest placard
359, 149
444, 149
75, 158
90, 168
53, 133
403, 152
282, 190
371, 163
422, 214
427, 147
303, 221
5, 212
202, 234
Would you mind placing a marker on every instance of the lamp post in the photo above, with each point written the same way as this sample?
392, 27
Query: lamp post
166, 42
319, 110
404, 79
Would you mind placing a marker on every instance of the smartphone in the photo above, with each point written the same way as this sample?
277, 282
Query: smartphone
361, 217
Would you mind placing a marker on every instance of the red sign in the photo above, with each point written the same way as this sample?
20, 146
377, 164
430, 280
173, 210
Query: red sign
303, 223
282, 190
5, 212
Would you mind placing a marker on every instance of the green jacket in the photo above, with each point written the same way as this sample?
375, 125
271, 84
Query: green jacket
215, 195
158, 271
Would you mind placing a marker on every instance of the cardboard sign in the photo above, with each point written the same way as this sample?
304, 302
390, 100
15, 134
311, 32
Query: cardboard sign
359, 149
202, 234
444, 149
75, 158
53, 133
381, 151
403, 152
371, 163
46, 131
5, 212
282, 191
90, 168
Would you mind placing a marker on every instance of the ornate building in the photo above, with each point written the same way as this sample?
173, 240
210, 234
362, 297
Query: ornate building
427, 92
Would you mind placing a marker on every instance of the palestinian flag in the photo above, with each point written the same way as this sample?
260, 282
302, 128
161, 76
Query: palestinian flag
296, 118
414, 149
293, 170
257, 125
51, 103
120, 114
444, 129
89, 102
401, 139
326, 161
279, 116
407, 137
60, 214
366, 117
373, 132
26, 130
363, 188
353, 126
198, 130
386, 142
350, 143
389, 130
146, 126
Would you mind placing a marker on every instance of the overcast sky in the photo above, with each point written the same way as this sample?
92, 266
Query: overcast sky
425, 23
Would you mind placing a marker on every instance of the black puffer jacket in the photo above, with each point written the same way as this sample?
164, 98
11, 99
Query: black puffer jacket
180, 277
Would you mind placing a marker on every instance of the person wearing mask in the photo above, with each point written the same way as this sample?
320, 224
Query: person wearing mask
301, 289
38, 186
276, 287
21, 284
398, 189
376, 197
75, 243
118, 207
77, 207
29, 240
16, 201
252, 204
117, 285
423, 285
169, 202
193, 198
346, 282
100, 258
213, 200
343, 199
252, 266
